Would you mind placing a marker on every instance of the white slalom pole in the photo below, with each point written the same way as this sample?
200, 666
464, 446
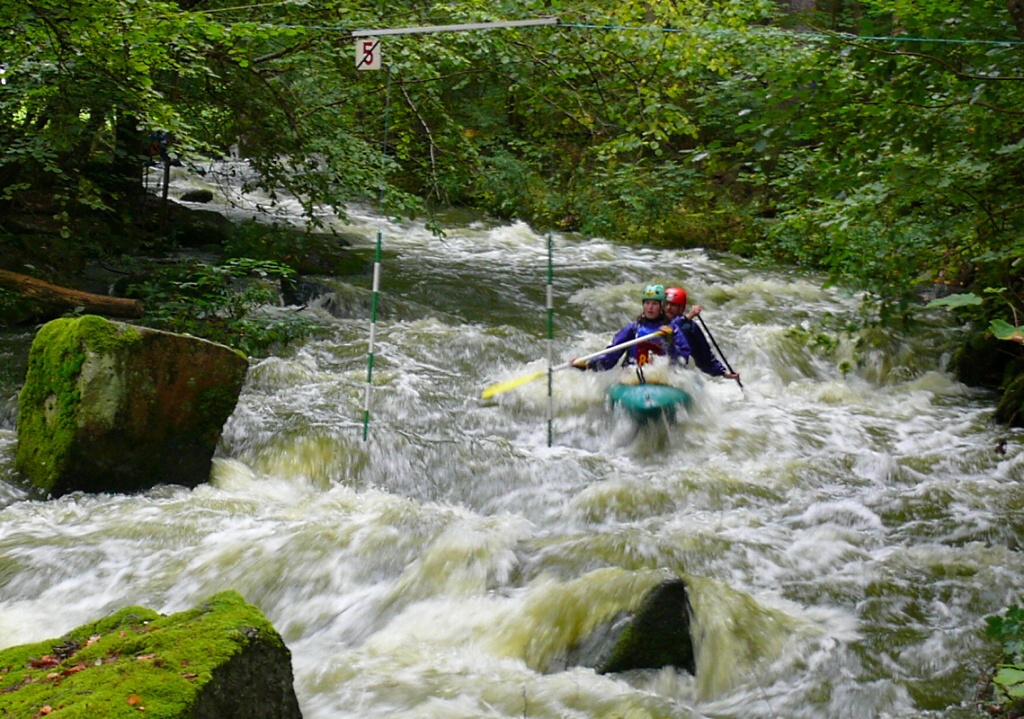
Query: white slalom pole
373, 337
551, 340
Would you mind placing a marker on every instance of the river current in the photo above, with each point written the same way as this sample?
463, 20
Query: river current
844, 521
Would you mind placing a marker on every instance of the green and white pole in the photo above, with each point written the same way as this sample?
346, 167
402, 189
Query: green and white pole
551, 339
373, 336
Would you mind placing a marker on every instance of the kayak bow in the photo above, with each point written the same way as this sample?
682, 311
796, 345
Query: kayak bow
644, 402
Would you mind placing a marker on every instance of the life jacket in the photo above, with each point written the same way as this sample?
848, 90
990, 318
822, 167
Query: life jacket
645, 352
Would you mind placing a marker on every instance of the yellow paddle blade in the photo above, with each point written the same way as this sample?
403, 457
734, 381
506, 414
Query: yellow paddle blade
510, 384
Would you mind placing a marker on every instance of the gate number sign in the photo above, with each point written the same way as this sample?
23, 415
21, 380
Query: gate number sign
367, 53
368, 44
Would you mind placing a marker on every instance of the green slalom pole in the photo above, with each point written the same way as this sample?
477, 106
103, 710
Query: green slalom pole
373, 336
551, 339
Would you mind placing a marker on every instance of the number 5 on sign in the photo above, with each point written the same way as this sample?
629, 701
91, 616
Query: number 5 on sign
367, 53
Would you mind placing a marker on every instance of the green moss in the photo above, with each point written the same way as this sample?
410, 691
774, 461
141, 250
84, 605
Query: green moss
659, 634
131, 660
1011, 405
216, 402
48, 402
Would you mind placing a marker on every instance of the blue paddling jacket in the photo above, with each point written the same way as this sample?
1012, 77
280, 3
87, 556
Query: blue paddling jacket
675, 346
703, 357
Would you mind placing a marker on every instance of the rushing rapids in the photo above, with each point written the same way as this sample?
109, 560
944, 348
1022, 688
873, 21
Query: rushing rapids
845, 521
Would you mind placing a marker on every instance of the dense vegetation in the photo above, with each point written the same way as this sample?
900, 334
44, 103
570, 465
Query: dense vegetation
1007, 682
878, 140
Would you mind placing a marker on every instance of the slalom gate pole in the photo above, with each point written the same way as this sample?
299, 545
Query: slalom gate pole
551, 339
373, 336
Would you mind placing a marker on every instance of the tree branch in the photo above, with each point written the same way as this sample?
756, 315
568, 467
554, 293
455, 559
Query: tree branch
436, 189
56, 299
930, 58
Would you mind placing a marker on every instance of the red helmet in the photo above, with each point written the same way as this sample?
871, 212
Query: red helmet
676, 295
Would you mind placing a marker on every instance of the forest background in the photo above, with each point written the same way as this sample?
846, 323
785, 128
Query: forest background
879, 141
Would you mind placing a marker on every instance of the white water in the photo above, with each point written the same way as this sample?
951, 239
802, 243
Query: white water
843, 536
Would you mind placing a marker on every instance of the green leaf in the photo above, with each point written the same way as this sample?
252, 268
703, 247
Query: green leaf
954, 301
1009, 676
1005, 331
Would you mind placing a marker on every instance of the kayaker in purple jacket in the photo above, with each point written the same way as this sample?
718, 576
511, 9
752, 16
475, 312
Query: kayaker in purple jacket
682, 321
650, 321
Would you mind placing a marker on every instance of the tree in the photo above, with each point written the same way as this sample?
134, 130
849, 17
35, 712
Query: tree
890, 162
887, 159
91, 83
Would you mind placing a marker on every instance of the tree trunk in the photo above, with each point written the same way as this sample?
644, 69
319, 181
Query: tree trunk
1016, 8
53, 300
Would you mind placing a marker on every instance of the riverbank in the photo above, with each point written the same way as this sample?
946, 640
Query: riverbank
193, 269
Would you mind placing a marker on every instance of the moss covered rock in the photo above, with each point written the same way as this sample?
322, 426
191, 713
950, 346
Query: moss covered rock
109, 407
1010, 410
221, 659
983, 361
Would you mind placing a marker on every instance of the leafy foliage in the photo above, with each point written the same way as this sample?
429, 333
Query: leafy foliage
1008, 630
889, 160
223, 303
1005, 331
966, 299
884, 147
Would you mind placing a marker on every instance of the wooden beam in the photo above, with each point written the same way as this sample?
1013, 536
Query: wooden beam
66, 299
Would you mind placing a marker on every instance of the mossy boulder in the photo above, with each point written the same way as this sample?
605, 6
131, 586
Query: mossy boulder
656, 635
1010, 410
984, 361
110, 407
221, 659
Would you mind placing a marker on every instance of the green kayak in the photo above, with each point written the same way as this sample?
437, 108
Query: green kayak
644, 402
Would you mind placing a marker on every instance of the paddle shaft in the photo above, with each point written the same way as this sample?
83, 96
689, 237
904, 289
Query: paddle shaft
519, 381
613, 348
719, 349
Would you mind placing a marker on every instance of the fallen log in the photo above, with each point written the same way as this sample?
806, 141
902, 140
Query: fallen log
64, 299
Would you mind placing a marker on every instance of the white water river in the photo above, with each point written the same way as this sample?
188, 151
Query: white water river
843, 534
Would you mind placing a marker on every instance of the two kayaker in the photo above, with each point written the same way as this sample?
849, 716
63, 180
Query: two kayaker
664, 311
682, 321
651, 321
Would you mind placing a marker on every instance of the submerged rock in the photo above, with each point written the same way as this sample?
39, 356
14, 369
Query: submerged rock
221, 659
656, 634
201, 196
110, 407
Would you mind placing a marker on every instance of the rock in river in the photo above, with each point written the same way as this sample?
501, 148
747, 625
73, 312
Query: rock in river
111, 407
